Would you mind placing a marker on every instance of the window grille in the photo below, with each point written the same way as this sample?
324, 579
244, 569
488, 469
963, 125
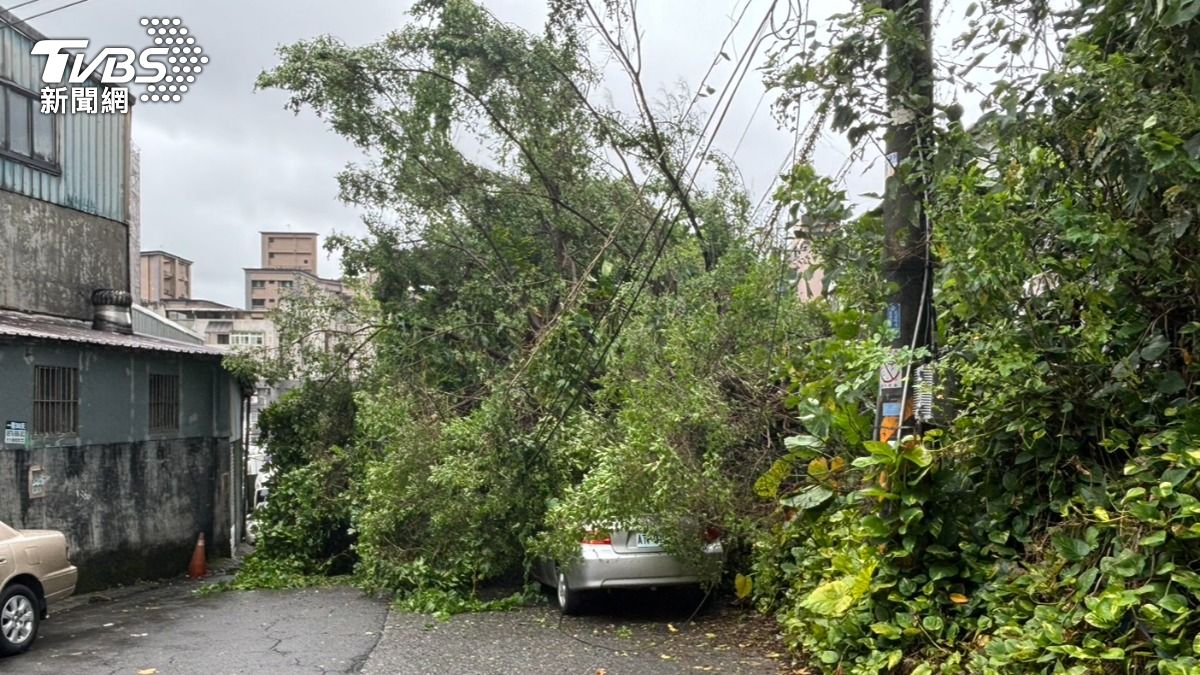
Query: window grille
164, 403
55, 400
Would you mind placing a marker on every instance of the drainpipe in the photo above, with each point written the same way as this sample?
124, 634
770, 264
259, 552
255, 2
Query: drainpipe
237, 474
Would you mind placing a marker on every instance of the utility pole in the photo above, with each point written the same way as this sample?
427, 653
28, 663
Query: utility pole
906, 257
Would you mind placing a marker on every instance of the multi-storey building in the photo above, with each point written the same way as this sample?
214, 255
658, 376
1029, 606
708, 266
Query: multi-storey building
289, 251
164, 276
289, 262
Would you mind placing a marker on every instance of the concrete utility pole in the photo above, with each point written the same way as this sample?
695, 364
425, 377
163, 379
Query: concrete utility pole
906, 257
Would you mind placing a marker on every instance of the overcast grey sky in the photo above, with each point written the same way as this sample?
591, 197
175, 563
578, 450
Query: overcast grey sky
228, 162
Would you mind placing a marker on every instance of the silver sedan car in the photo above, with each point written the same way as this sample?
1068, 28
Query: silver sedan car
620, 559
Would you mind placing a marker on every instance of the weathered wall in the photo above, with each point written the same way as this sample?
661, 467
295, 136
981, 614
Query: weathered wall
52, 258
130, 510
131, 503
114, 391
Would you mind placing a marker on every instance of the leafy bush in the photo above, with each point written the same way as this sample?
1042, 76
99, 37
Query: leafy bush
304, 527
444, 505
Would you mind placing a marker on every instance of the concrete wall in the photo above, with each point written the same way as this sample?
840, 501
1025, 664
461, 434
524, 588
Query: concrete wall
131, 503
52, 258
130, 510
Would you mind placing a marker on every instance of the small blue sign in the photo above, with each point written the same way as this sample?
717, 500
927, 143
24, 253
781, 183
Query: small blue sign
891, 409
893, 316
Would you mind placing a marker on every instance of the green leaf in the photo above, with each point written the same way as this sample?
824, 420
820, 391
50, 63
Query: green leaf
1070, 548
941, 571
933, 624
802, 441
1171, 382
1087, 579
919, 455
1155, 539
1174, 603
881, 449
808, 499
835, 598
1181, 13
829, 657
876, 526
1125, 564
886, 630
1157, 346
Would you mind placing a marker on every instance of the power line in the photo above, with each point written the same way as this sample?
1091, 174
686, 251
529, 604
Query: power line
20, 5
34, 16
572, 296
666, 237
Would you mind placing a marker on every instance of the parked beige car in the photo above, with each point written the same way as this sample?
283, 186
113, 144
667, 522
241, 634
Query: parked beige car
34, 572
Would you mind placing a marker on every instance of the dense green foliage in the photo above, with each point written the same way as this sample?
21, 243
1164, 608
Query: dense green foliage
558, 337
553, 343
1051, 525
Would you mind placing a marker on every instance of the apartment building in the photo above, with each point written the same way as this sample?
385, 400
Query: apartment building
164, 276
289, 263
289, 251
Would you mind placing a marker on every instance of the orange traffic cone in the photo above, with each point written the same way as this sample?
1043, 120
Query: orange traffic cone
198, 569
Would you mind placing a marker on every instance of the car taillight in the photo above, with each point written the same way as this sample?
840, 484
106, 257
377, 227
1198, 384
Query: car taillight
597, 537
712, 533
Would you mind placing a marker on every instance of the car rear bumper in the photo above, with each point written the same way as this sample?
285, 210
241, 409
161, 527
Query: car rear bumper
61, 584
602, 567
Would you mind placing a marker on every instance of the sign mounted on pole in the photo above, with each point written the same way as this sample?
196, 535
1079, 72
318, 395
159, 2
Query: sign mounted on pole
891, 376
893, 316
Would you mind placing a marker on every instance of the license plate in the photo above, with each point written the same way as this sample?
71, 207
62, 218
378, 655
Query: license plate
642, 541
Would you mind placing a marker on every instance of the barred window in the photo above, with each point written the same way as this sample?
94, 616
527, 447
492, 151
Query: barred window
164, 403
55, 400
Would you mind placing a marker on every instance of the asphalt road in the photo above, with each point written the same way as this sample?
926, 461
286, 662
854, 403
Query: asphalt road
628, 632
169, 630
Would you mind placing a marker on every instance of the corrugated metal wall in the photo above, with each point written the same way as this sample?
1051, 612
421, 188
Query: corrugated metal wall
93, 149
